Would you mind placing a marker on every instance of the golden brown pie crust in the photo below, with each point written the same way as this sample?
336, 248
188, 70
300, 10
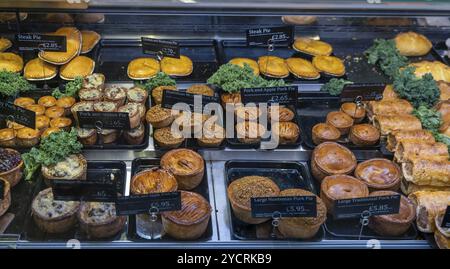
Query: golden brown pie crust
330, 158
323, 132
186, 165
153, 180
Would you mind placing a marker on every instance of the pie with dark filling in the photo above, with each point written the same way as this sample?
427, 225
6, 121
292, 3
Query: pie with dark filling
99, 220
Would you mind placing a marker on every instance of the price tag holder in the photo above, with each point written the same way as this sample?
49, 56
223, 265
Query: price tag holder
265, 36
283, 95
40, 42
84, 190
165, 201
18, 114
363, 92
285, 206
170, 98
2, 189
167, 48
446, 221
104, 120
376, 205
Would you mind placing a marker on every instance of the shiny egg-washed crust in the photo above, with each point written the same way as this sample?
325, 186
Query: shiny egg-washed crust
312, 47
153, 180
27, 137
79, 66
273, 66
73, 41
296, 227
393, 224
412, 44
249, 132
351, 109
444, 88
338, 187
389, 93
89, 40
7, 134
364, 134
389, 107
330, 158
428, 205
201, 89
143, 68
112, 224
5, 44
37, 69
330, 65
250, 62
323, 132
59, 224
186, 165
399, 122
11, 62
302, 68
428, 172
49, 131
191, 221
284, 114
47, 101
24, 101
438, 70
54, 112
42, 122
407, 149
177, 67
5, 203
36, 108
248, 113
340, 120
288, 132
379, 174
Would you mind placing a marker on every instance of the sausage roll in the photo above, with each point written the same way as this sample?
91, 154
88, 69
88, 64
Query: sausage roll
427, 172
394, 138
389, 93
417, 149
389, 107
429, 204
409, 187
391, 123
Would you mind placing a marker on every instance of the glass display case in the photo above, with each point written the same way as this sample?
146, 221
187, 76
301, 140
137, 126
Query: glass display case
316, 57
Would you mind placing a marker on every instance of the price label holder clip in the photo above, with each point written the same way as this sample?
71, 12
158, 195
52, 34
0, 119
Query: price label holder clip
153, 211
364, 221
358, 93
18, 115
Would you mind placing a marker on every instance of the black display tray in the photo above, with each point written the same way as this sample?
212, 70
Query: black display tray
96, 170
285, 174
312, 112
140, 164
114, 56
236, 144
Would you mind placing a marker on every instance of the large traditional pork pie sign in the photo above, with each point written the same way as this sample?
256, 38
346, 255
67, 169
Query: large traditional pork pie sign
104, 120
32, 41
170, 98
362, 92
167, 48
285, 206
376, 205
270, 35
18, 114
283, 95
85, 190
155, 203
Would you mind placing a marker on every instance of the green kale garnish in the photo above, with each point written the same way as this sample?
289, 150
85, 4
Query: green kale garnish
335, 86
418, 91
72, 88
430, 118
53, 149
161, 79
232, 78
11, 84
385, 53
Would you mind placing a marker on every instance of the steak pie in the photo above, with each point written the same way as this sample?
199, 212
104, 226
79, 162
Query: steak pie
143, 68
273, 66
177, 67
312, 47
79, 66
246, 61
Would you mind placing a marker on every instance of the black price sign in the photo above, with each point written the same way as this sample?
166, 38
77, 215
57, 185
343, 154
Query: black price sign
104, 120
446, 221
155, 202
168, 48
18, 114
171, 98
41, 42
265, 36
283, 95
2, 189
285, 206
376, 205
84, 190
362, 92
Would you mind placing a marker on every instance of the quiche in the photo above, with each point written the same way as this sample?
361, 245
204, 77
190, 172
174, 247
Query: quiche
165, 138
99, 220
287, 132
73, 41
412, 44
105, 106
379, 174
302, 68
87, 136
89, 40
94, 81
7, 138
159, 117
200, 89
78, 66
330, 158
4, 44
186, 165
312, 47
37, 69
157, 93
27, 137
240, 192
54, 112
116, 94
137, 95
53, 216
81, 106
177, 67
11, 62
5, 203
153, 180
191, 221
93, 95
143, 68
273, 66
329, 65
135, 136
24, 101
246, 61
73, 167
